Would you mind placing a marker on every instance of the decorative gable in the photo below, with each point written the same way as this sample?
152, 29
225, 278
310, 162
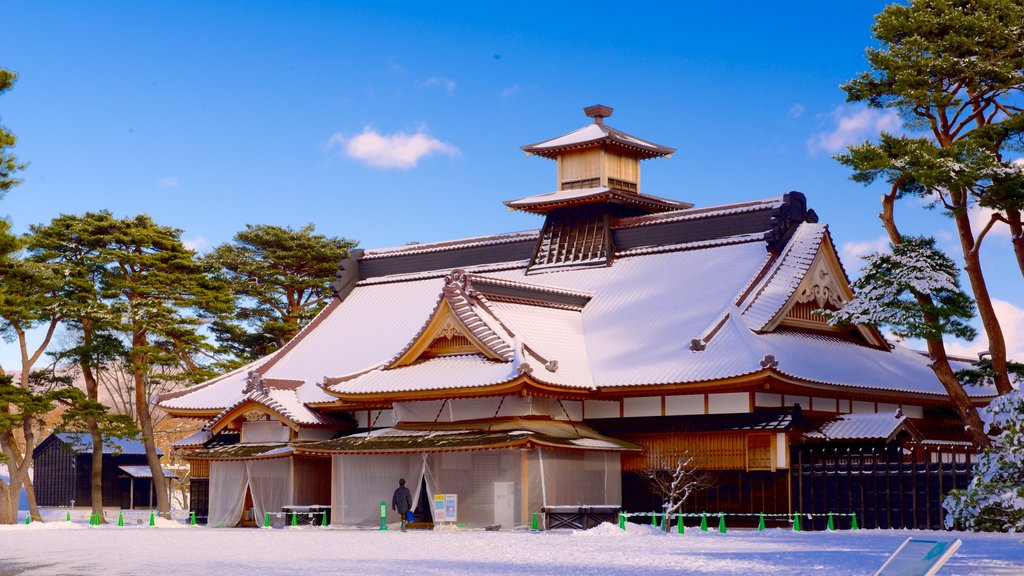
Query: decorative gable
824, 286
457, 327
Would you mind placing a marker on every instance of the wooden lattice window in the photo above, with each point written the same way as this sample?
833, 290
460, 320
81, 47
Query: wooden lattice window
759, 452
449, 345
579, 237
623, 185
199, 468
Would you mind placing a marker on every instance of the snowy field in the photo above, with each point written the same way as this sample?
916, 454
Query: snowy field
59, 548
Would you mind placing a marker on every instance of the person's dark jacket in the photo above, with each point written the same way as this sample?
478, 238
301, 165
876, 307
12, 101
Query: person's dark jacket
402, 500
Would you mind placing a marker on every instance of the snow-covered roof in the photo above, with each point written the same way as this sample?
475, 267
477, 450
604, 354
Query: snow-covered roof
81, 443
879, 426
540, 202
145, 472
200, 437
782, 279
592, 134
641, 317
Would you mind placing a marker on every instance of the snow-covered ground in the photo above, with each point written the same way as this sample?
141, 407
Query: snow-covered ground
172, 548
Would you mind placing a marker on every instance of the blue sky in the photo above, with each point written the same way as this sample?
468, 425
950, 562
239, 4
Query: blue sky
402, 122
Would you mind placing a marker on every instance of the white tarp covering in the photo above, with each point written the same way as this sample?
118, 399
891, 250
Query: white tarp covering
268, 481
363, 481
489, 484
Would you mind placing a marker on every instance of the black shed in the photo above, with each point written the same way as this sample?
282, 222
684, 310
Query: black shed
63, 471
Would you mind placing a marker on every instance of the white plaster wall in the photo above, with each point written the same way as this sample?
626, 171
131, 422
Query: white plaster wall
860, 407
646, 406
730, 403
767, 400
601, 408
683, 405
824, 404
264, 431
803, 401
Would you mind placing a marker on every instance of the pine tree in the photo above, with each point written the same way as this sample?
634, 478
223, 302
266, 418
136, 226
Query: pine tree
915, 291
282, 278
954, 70
9, 164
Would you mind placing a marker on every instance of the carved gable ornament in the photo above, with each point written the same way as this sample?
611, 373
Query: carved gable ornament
455, 327
821, 286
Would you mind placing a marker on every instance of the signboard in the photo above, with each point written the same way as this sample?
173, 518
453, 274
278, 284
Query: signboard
917, 557
446, 507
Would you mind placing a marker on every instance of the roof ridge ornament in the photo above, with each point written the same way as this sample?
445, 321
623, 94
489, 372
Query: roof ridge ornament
254, 383
598, 112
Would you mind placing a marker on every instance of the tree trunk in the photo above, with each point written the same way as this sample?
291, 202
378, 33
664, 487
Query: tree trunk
30, 495
996, 341
5, 503
26, 465
973, 425
163, 504
936, 348
92, 392
1017, 237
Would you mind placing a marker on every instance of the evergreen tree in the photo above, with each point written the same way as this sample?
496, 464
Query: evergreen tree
282, 278
28, 300
915, 291
9, 164
954, 70
994, 500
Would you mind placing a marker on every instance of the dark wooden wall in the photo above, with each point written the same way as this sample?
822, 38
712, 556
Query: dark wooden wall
884, 487
54, 476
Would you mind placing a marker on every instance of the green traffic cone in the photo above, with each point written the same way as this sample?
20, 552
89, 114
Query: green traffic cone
152, 518
853, 523
69, 516
622, 521
266, 519
704, 521
534, 524
721, 523
28, 519
92, 519
323, 519
831, 523
654, 519
294, 519
796, 522
192, 520
120, 518
760, 523
679, 526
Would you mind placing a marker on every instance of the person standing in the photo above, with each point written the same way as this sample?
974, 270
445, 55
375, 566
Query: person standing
401, 502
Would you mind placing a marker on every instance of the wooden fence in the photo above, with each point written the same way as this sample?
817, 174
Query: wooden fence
896, 487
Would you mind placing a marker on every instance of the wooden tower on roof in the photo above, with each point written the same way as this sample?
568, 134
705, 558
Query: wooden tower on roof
598, 180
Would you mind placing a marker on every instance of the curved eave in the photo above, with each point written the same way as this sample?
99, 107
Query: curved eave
630, 198
885, 394
519, 385
242, 407
644, 153
524, 443
192, 412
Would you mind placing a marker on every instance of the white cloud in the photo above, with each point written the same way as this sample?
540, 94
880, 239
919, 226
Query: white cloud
797, 110
399, 150
169, 182
195, 243
853, 126
439, 81
851, 252
1011, 320
511, 91
980, 217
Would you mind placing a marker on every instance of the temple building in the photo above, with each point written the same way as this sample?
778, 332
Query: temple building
551, 368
